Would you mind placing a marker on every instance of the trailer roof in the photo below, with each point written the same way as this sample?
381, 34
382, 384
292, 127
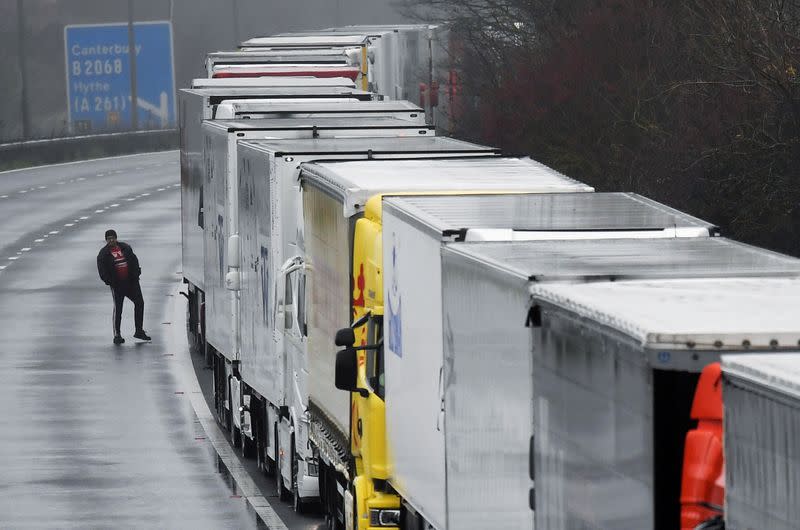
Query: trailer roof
376, 145
620, 259
267, 55
355, 182
323, 122
779, 372
720, 314
256, 91
351, 104
541, 212
273, 81
306, 41
369, 30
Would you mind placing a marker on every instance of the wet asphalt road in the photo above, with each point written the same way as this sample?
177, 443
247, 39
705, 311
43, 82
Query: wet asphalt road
94, 435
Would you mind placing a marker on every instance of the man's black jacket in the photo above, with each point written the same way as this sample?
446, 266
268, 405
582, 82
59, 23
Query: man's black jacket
105, 264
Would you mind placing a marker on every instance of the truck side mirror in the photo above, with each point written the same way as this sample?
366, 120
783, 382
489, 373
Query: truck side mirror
345, 337
347, 369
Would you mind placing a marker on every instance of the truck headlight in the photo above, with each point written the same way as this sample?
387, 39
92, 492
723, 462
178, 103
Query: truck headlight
383, 517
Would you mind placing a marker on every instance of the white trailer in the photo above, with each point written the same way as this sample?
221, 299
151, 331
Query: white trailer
460, 444
615, 365
220, 199
196, 105
272, 337
761, 395
335, 197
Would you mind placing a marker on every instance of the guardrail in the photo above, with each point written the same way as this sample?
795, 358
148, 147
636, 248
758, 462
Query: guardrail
51, 151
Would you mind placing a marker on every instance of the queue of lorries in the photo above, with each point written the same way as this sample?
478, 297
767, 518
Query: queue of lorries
515, 350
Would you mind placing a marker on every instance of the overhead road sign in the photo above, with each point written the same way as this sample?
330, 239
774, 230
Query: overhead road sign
99, 76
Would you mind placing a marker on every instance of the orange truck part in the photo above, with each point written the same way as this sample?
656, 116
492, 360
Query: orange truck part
703, 481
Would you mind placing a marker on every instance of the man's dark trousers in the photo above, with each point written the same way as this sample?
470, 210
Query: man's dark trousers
133, 292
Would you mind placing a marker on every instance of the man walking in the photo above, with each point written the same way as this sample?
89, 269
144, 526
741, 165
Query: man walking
119, 268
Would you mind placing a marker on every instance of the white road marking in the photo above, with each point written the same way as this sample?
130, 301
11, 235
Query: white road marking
23, 191
70, 224
99, 211
3, 267
145, 195
4, 197
161, 189
113, 205
84, 218
54, 232
42, 187
131, 199
12, 258
99, 174
38, 240
26, 249
82, 178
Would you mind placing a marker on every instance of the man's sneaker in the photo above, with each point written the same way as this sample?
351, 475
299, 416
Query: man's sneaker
141, 335
118, 339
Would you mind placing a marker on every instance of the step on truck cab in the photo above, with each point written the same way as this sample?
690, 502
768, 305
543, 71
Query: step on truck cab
761, 395
220, 211
615, 365
272, 353
341, 248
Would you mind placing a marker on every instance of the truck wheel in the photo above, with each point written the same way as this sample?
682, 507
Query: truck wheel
283, 493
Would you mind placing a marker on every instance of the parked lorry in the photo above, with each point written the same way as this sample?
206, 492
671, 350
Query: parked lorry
195, 106
220, 194
761, 395
314, 43
403, 57
446, 430
615, 365
340, 264
264, 381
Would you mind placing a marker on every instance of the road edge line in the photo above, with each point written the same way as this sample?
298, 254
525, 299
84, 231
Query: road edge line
179, 345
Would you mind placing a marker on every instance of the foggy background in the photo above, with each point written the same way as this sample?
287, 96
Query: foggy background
33, 75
